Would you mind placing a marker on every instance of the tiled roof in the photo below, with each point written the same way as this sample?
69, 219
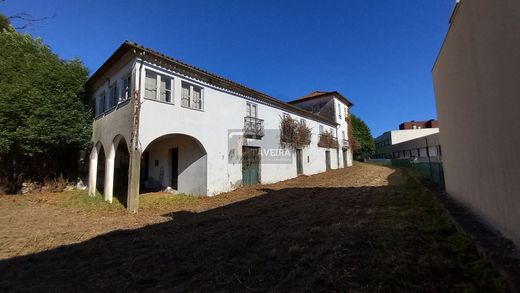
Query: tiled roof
317, 94
200, 74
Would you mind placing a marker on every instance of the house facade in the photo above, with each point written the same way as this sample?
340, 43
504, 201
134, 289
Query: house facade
195, 132
477, 84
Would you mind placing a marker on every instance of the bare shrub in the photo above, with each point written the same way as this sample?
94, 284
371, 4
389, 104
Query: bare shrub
294, 134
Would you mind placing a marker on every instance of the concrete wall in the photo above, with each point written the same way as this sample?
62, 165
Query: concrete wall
477, 89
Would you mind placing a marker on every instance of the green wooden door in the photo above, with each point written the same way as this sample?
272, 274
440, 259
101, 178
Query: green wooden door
250, 165
299, 162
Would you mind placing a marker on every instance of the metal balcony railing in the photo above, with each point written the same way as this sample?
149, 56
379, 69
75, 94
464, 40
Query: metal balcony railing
253, 127
326, 140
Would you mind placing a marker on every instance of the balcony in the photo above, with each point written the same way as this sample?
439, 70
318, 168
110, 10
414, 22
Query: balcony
253, 127
344, 144
327, 140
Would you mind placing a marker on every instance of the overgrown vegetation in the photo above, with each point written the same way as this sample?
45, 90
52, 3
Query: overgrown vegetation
327, 140
44, 116
294, 134
79, 199
362, 141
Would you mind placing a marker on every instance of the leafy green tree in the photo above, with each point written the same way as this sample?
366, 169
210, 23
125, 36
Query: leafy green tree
44, 122
363, 141
4, 22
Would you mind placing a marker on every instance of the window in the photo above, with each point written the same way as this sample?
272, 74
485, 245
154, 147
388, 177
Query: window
191, 96
343, 134
346, 112
321, 129
302, 121
166, 89
127, 91
113, 98
285, 115
150, 85
251, 110
339, 111
100, 104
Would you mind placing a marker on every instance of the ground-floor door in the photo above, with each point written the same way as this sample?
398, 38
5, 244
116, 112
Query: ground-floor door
299, 162
327, 160
174, 153
345, 158
250, 165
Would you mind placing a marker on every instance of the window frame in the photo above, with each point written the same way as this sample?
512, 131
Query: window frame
249, 109
146, 89
113, 96
171, 89
126, 89
190, 100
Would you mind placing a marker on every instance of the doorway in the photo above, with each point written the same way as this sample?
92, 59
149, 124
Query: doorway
327, 160
174, 154
250, 165
299, 162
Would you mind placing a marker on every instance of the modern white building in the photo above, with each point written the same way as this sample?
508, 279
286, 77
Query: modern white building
393, 137
194, 132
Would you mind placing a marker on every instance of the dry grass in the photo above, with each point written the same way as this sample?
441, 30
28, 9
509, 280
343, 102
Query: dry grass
367, 228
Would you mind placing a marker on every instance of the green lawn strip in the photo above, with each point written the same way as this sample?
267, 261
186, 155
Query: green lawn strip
454, 252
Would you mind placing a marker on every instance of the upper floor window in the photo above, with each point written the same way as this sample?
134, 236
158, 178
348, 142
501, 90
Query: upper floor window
150, 85
113, 96
346, 112
158, 87
100, 103
321, 129
339, 111
191, 96
166, 89
302, 121
127, 91
251, 110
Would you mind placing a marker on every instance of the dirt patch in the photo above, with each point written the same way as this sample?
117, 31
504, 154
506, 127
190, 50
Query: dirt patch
365, 228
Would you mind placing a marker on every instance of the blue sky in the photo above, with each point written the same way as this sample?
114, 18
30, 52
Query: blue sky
378, 53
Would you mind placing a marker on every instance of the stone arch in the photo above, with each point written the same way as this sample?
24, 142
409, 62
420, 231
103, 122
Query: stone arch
116, 170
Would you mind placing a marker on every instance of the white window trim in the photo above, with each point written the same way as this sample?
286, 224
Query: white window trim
249, 108
113, 94
158, 77
190, 96
124, 92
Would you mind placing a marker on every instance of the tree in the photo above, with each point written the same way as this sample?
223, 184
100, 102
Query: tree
44, 122
363, 141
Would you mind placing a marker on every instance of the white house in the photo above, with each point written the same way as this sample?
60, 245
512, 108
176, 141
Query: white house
194, 132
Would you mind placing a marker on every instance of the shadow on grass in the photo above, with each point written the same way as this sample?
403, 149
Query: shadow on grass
295, 239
